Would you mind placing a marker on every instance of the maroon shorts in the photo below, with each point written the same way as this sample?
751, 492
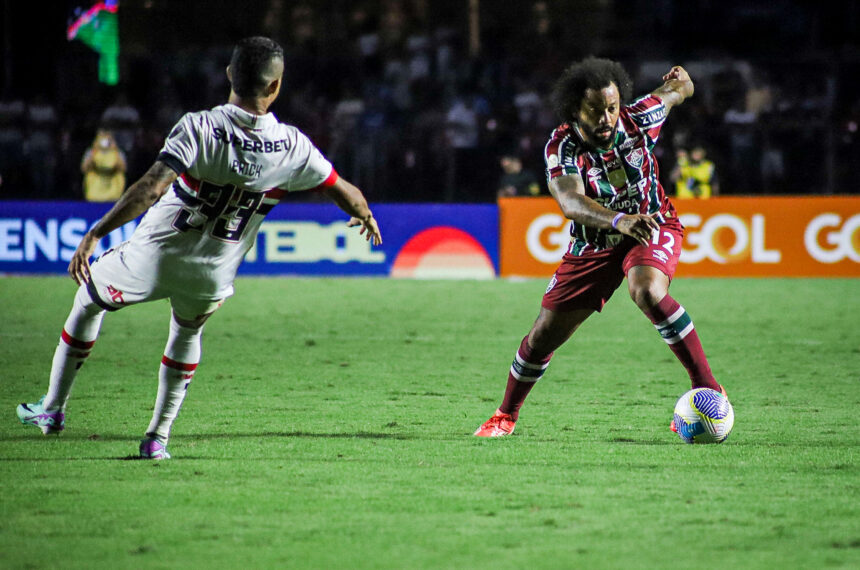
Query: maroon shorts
588, 281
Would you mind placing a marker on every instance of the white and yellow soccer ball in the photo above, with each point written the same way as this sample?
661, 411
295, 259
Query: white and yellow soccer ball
703, 415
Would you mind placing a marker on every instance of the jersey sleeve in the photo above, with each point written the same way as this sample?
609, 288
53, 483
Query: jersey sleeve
180, 148
312, 170
648, 114
560, 155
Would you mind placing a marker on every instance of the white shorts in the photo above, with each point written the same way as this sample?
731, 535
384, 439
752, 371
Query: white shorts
114, 285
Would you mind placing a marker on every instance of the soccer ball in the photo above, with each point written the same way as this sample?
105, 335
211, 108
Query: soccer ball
703, 415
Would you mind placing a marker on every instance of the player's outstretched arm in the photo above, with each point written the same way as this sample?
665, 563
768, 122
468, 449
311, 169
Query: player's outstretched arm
677, 86
569, 192
352, 201
135, 201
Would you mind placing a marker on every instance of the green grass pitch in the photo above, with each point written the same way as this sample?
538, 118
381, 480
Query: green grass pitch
329, 426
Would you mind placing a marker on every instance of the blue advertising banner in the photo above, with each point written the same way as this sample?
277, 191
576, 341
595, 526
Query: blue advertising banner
433, 241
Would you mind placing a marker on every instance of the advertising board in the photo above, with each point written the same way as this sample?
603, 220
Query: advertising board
725, 237
438, 241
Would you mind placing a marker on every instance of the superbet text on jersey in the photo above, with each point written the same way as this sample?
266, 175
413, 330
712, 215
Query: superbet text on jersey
624, 178
234, 168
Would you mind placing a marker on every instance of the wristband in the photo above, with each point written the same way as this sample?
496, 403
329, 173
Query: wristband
616, 219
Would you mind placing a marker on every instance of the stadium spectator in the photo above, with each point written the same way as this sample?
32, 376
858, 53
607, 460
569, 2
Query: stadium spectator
694, 175
344, 129
217, 176
462, 132
462, 124
40, 146
515, 180
600, 169
743, 147
123, 120
12, 119
765, 107
848, 143
527, 102
169, 110
103, 167
772, 168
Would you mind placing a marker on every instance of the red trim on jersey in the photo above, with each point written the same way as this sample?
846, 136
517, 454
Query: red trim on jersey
190, 181
332, 178
276, 193
555, 142
75, 343
279, 193
170, 363
644, 104
556, 172
553, 148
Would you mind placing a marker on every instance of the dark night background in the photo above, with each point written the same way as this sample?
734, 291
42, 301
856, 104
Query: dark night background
375, 85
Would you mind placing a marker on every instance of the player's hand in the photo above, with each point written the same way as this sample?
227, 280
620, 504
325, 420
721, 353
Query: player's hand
677, 72
638, 226
368, 226
79, 266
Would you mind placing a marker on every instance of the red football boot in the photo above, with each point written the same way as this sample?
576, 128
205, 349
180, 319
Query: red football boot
497, 426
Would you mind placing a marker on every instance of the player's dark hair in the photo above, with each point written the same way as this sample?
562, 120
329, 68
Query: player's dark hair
251, 66
590, 73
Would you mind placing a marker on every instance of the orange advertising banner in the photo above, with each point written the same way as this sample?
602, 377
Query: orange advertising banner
725, 237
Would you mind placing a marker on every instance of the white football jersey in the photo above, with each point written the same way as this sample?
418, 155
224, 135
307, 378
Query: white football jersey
234, 168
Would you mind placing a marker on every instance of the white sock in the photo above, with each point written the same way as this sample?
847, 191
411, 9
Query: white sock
79, 335
181, 356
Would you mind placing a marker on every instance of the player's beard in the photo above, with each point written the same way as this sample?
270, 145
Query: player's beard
603, 135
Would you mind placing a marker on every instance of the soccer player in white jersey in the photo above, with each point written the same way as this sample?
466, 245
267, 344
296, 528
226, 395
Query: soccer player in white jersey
217, 176
602, 171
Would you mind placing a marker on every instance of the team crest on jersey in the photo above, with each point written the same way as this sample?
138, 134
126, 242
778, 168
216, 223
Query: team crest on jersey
635, 157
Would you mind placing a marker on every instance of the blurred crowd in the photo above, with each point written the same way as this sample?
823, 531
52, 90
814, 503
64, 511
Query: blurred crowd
411, 105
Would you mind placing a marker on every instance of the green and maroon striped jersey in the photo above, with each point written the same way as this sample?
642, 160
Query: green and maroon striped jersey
624, 178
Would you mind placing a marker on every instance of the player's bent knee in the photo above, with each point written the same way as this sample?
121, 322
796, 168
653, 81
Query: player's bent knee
647, 287
647, 295
194, 313
194, 323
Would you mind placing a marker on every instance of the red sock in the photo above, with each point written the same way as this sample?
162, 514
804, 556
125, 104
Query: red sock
527, 368
676, 327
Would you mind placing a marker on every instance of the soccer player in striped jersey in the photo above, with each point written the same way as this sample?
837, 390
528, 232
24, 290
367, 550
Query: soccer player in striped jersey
218, 175
602, 172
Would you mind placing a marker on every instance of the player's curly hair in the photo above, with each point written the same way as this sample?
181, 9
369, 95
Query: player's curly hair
251, 66
590, 73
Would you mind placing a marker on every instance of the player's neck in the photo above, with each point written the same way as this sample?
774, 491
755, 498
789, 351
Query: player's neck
252, 105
